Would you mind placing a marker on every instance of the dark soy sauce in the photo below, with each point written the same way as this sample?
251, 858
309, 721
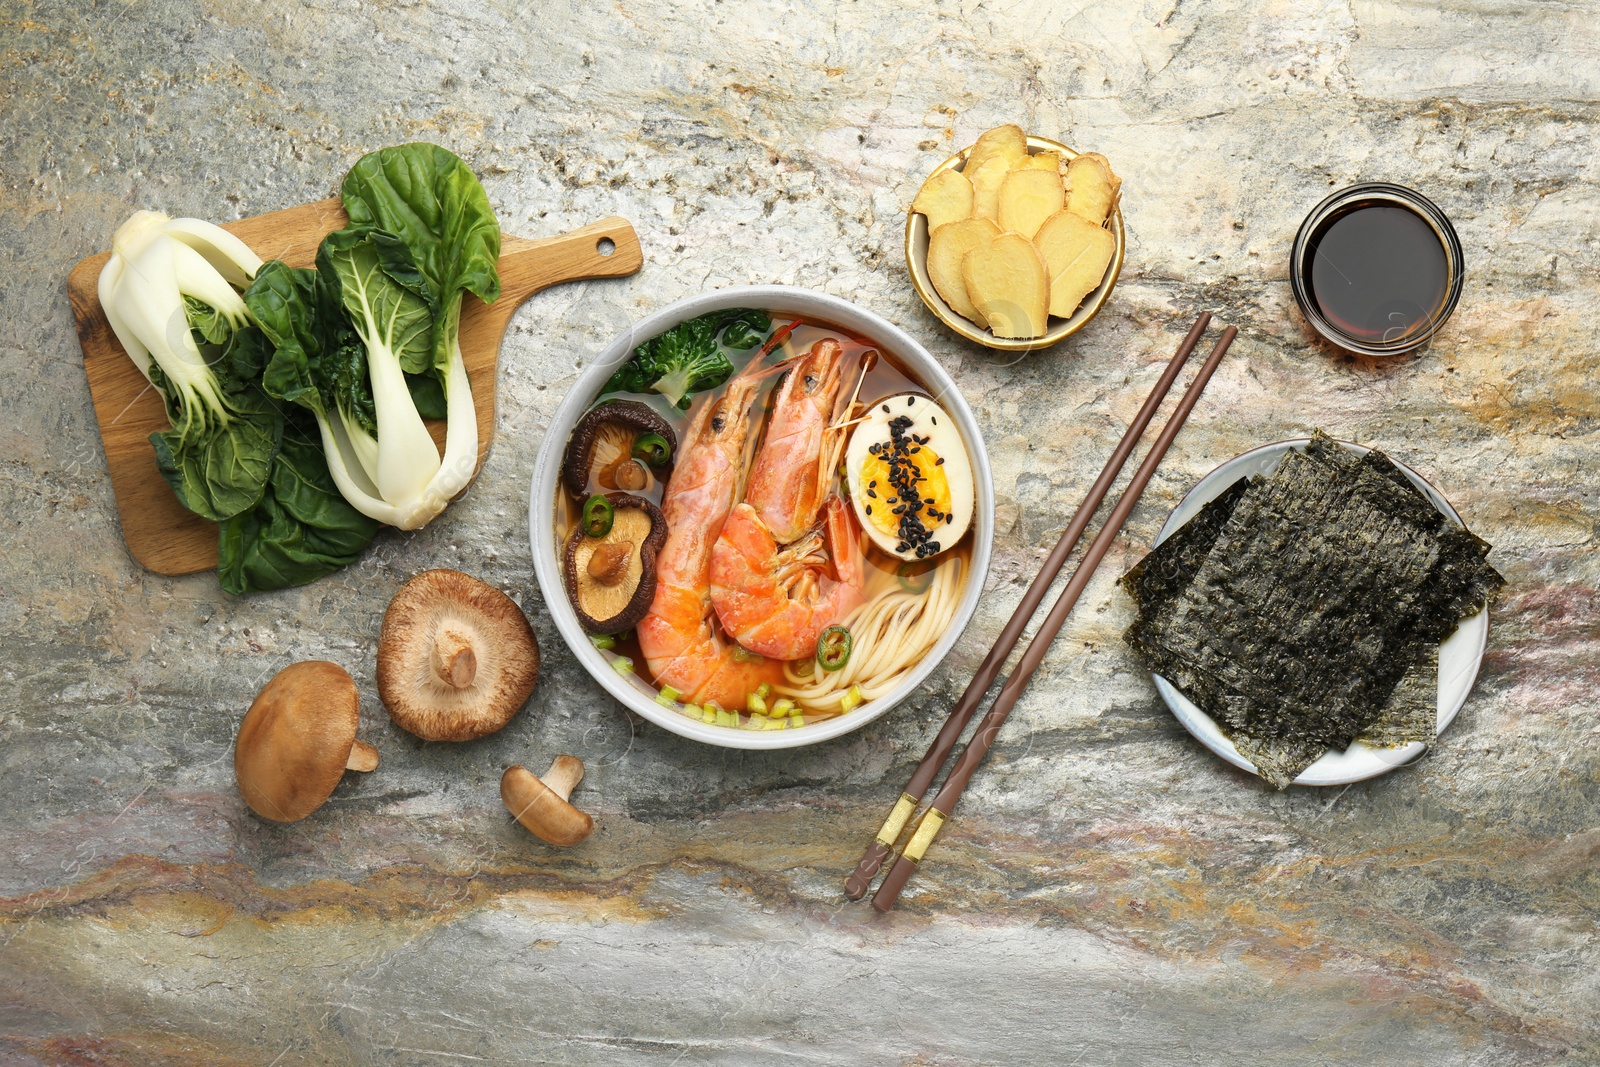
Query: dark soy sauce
1378, 272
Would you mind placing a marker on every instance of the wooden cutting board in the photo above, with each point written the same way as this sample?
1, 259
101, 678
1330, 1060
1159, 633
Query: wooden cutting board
168, 539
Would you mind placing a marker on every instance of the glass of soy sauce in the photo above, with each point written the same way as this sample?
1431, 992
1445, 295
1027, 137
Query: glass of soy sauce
1376, 268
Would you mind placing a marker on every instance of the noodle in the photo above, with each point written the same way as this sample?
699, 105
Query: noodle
890, 633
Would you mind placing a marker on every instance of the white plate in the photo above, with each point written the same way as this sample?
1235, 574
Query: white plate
1459, 655
779, 299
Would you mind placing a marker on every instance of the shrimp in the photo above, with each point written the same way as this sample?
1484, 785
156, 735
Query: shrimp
680, 643
779, 576
800, 449
777, 601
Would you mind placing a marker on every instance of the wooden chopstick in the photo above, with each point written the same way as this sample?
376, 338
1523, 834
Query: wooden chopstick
944, 803
860, 880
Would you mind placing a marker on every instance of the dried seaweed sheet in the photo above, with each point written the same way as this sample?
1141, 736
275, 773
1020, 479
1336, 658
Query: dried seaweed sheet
1162, 575
1462, 580
1303, 610
1412, 713
1296, 613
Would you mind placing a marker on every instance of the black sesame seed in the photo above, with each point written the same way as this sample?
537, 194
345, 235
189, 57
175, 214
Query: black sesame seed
872, 494
934, 419
910, 401
939, 462
886, 409
869, 509
873, 484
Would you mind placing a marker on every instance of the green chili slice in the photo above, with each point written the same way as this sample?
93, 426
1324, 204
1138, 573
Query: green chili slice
833, 648
653, 449
598, 515
915, 576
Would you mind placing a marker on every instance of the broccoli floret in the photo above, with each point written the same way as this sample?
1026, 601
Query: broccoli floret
687, 358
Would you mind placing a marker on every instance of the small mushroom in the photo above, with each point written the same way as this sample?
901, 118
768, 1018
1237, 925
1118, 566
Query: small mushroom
540, 804
298, 739
605, 449
611, 579
456, 657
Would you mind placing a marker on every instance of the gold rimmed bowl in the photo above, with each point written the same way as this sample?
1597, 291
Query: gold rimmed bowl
1058, 329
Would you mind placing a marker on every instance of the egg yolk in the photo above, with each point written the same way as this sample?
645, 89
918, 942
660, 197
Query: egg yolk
931, 484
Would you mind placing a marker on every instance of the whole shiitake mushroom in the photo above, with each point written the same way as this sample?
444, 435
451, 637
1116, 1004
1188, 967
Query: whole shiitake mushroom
298, 739
456, 657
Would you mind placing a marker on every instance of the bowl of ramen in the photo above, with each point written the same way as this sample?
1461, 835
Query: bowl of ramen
762, 517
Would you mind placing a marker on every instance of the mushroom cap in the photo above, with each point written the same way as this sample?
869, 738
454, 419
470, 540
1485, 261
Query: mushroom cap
610, 607
456, 657
541, 805
295, 739
596, 440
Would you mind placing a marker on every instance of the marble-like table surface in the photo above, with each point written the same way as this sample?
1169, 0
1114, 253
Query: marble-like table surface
1109, 892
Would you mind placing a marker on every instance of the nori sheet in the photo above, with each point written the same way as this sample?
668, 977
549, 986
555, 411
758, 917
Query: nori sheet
1304, 610
1163, 574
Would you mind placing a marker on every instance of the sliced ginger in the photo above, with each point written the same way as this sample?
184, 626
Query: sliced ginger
1076, 253
1091, 187
947, 247
986, 182
945, 197
1028, 197
1007, 282
1007, 142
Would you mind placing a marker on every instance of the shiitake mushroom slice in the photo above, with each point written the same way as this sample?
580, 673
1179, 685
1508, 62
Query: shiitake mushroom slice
611, 579
619, 445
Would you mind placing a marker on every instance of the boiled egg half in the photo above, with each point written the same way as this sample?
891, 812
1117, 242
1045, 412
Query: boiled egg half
909, 476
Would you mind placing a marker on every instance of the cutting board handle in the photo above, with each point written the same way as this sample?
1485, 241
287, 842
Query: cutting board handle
605, 249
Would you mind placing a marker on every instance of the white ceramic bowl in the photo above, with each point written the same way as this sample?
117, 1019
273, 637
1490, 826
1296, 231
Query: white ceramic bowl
779, 299
1459, 655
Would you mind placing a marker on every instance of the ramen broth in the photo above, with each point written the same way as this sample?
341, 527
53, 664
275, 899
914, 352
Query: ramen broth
883, 572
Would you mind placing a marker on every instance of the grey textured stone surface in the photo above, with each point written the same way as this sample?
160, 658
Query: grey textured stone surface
1109, 893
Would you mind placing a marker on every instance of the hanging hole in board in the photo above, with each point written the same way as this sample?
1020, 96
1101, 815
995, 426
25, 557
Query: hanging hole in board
605, 246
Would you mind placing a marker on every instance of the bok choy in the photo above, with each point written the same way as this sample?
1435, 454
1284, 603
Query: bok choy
369, 343
170, 294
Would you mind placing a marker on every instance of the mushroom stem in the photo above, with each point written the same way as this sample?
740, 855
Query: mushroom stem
363, 757
453, 659
563, 776
630, 475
